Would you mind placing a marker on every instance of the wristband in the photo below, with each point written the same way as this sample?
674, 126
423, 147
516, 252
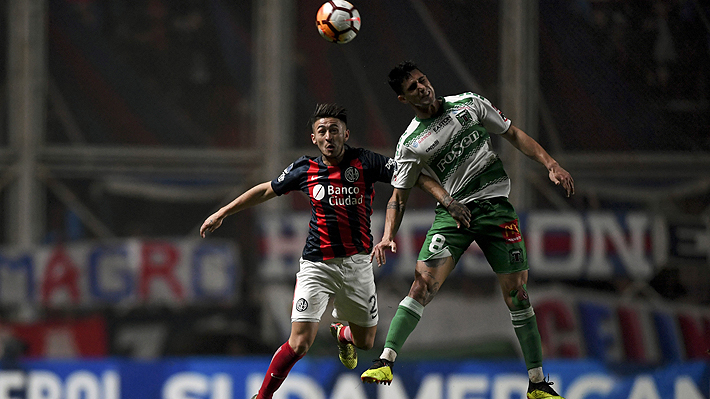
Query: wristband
447, 201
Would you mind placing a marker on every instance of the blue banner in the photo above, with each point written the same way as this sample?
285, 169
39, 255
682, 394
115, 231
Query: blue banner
319, 378
124, 273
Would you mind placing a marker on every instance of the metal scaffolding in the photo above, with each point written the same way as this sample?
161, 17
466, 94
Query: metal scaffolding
30, 168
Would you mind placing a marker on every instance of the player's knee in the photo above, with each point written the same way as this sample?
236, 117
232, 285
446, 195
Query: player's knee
299, 345
424, 288
518, 298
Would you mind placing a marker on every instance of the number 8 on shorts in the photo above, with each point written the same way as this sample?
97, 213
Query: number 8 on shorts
437, 243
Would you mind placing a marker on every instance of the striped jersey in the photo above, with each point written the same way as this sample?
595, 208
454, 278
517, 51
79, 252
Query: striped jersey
341, 200
455, 149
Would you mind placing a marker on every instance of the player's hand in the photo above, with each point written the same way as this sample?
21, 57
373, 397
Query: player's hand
460, 213
378, 253
211, 224
560, 176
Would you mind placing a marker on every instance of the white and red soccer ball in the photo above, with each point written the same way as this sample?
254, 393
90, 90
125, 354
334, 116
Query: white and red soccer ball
338, 21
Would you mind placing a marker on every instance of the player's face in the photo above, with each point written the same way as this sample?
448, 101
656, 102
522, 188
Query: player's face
417, 91
330, 135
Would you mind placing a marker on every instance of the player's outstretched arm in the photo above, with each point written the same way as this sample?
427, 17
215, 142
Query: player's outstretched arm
528, 146
254, 196
393, 218
459, 211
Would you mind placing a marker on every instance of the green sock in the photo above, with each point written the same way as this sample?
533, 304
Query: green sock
409, 312
529, 338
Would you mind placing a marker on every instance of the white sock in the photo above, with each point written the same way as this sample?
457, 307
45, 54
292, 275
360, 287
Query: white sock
536, 375
389, 354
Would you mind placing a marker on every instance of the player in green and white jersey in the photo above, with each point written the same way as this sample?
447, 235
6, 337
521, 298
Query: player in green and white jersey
449, 139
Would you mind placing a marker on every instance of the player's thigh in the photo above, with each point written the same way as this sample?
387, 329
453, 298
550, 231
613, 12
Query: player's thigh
356, 300
499, 237
444, 239
315, 283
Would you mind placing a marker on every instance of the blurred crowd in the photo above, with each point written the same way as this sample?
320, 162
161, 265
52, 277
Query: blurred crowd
177, 50
659, 44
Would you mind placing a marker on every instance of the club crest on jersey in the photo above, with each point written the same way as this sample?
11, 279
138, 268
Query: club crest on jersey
516, 256
391, 163
301, 305
464, 117
352, 174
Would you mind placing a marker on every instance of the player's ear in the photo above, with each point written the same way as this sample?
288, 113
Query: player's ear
347, 135
402, 99
313, 139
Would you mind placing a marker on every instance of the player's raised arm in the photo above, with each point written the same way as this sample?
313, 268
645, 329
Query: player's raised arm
254, 196
460, 213
528, 146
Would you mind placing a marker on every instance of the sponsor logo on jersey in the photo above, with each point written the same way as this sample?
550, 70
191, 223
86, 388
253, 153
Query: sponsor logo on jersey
424, 136
284, 173
438, 125
500, 113
511, 232
334, 195
344, 195
352, 174
433, 145
318, 192
458, 148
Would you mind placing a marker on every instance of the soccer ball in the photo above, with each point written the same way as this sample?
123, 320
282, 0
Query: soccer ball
338, 21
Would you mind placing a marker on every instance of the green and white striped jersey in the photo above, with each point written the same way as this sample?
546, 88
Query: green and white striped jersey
455, 149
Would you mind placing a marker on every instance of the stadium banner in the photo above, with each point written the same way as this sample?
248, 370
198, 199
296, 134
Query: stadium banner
573, 323
320, 378
560, 245
586, 324
132, 272
60, 337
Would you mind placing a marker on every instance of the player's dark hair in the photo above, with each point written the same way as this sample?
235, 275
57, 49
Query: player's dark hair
328, 110
399, 74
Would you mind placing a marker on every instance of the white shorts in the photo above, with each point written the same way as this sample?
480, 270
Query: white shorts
349, 280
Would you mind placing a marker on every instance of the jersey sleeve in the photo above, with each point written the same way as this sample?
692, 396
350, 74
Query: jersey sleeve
292, 178
380, 168
491, 117
408, 168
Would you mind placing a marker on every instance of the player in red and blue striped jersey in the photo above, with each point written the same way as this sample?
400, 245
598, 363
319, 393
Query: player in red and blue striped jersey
336, 259
341, 198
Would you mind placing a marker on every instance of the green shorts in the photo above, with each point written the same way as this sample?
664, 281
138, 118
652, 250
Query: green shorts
494, 227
